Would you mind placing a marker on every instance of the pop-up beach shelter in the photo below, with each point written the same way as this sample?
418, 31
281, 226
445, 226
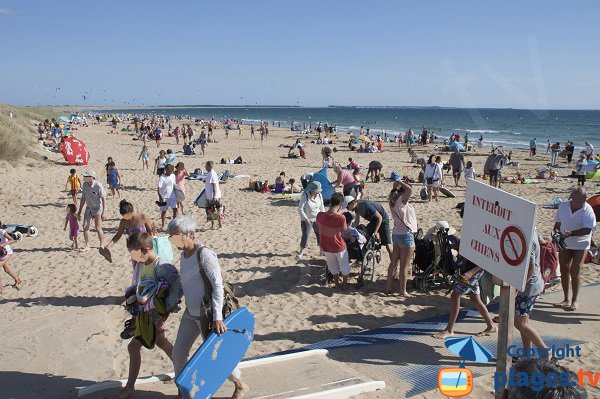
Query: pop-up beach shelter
321, 177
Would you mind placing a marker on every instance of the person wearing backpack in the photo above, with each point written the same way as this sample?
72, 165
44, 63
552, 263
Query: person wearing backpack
199, 266
311, 203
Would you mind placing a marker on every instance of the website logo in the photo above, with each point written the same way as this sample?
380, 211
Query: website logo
455, 381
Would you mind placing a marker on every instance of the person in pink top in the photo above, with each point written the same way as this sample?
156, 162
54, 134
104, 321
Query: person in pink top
344, 178
71, 220
332, 230
180, 175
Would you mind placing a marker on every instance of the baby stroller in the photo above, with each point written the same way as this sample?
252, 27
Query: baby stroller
429, 271
367, 256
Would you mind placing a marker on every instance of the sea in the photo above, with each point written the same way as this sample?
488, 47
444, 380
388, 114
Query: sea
513, 128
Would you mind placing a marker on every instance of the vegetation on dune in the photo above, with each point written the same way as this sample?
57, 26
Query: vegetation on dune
18, 134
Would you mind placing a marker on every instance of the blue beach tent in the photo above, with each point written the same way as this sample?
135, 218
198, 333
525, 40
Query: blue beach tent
321, 177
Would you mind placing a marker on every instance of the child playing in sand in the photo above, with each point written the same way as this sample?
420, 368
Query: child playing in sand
144, 155
147, 269
114, 179
5, 257
75, 183
71, 220
358, 183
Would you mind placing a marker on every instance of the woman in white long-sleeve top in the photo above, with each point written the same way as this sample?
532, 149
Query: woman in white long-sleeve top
311, 203
194, 321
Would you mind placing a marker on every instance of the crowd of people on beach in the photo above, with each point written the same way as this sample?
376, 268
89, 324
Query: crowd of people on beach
335, 221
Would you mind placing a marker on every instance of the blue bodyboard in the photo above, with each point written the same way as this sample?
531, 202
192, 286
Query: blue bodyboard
217, 357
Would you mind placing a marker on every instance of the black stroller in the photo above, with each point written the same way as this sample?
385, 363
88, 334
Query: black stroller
367, 257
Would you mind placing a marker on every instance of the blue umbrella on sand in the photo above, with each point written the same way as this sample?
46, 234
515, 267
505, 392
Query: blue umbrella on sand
468, 349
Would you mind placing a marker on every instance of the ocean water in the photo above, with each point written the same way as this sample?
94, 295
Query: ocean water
512, 128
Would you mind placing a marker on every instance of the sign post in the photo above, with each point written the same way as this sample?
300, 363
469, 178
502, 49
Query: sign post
496, 235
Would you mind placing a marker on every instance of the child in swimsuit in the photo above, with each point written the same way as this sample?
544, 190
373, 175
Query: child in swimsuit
144, 156
5, 257
71, 220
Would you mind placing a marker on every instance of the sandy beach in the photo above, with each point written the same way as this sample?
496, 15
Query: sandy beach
61, 330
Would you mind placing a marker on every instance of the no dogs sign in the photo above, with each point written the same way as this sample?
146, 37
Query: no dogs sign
497, 231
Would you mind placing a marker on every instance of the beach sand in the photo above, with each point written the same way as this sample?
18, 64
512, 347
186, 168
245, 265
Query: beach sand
61, 330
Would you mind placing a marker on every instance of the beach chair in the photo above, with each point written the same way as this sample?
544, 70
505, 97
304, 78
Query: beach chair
431, 270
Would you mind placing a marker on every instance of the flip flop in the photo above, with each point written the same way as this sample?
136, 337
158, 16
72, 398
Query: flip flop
571, 308
106, 254
561, 305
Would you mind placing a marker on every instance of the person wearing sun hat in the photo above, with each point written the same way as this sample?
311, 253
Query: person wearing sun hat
311, 203
439, 225
94, 197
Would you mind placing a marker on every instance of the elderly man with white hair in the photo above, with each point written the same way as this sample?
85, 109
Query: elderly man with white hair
194, 321
575, 221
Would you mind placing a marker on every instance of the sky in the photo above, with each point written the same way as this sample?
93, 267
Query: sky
506, 54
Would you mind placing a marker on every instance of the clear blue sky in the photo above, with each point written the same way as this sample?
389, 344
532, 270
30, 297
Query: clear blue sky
520, 54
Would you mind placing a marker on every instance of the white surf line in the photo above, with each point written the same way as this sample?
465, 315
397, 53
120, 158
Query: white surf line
101, 386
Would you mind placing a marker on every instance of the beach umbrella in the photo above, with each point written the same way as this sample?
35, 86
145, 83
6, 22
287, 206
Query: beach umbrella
74, 151
64, 119
455, 144
468, 348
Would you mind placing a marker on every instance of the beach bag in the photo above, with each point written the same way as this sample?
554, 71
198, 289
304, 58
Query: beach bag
179, 194
230, 302
201, 201
215, 211
424, 194
162, 247
548, 260
424, 253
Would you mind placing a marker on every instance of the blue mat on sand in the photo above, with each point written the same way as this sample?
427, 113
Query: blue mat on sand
408, 352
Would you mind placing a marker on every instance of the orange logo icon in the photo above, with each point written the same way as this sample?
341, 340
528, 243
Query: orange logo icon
455, 381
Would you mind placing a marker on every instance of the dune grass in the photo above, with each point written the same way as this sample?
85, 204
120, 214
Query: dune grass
18, 134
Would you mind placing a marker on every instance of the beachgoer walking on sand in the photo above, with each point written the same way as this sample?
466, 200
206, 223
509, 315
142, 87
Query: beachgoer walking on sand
131, 222
494, 164
525, 300
375, 214
580, 169
157, 136
114, 179
403, 239
194, 323
144, 156
469, 172
149, 267
333, 230
213, 196
160, 162
166, 193
180, 175
94, 197
6, 253
471, 275
252, 132
74, 182
73, 224
457, 161
589, 150
570, 149
532, 147
311, 203
576, 221
432, 178
480, 141
555, 148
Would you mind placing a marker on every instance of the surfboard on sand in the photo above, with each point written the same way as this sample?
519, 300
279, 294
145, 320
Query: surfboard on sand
217, 357
447, 192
